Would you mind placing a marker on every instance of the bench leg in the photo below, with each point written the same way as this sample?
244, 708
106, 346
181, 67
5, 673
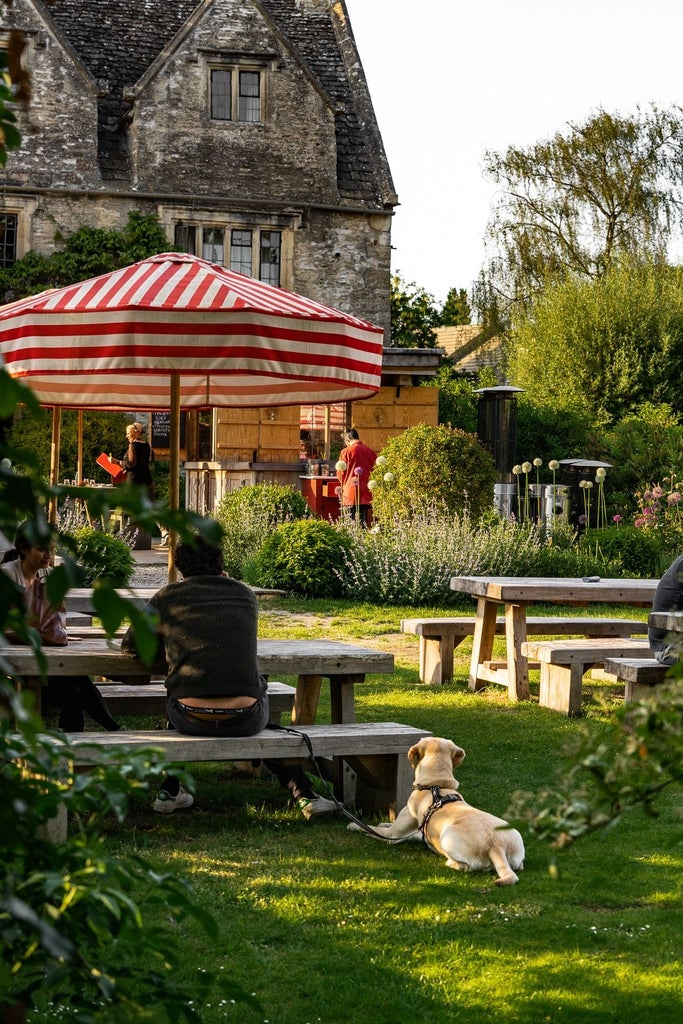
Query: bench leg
635, 692
560, 688
383, 783
436, 659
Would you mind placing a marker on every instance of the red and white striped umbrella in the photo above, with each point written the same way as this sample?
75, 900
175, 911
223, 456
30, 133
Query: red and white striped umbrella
115, 341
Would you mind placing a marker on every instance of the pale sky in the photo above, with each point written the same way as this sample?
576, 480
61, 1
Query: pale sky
450, 79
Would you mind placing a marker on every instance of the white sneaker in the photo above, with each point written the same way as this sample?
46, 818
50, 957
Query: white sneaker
311, 807
166, 804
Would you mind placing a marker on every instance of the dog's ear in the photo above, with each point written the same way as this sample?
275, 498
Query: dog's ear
457, 755
415, 754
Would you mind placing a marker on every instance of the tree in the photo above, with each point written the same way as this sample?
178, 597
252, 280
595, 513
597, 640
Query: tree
456, 309
600, 348
414, 316
574, 204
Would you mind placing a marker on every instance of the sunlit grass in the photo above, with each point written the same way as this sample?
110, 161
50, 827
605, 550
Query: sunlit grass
331, 927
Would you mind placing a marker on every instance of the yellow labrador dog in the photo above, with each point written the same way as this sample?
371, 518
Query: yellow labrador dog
470, 839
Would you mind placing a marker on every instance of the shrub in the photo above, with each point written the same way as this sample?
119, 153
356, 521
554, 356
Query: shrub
306, 557
102, 556
639, 552
412, 561
424, 465
249, 514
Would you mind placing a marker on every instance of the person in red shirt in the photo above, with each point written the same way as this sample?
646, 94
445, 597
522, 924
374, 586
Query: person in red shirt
358, 460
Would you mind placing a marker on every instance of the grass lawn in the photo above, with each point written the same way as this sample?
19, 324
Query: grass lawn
325, 926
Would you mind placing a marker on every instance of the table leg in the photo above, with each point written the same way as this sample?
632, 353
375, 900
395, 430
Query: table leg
482, 642
343, 708
517, 664
306, 700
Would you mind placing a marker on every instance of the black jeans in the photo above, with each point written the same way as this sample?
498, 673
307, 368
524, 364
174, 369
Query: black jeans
238, 722
74, 695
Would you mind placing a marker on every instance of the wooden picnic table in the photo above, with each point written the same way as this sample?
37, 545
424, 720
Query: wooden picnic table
515, 594
345, 665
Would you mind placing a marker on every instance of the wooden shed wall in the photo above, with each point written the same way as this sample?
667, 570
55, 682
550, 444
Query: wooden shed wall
392, 410
258, 435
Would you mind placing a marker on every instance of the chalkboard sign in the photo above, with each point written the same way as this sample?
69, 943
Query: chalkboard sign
161, 430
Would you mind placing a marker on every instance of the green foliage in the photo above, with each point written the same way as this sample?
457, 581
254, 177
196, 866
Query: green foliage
457, 395
600, 349
305, 557
87, 253
102, 432
414, 316
638, 552
633, 766
249, 514
550, 433
71, 914
102, 556
456, 309
575, 204
428, 464
643, 446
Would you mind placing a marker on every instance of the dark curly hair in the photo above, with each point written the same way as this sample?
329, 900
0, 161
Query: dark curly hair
199, 559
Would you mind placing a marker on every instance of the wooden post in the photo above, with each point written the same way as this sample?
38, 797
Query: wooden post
54, 461
174, 470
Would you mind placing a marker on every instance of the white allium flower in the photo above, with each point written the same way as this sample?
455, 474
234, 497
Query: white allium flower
381, 460
340, 466
554, 465
526, 467
538, 463
388, 478
516, 470
600, 474
372, 484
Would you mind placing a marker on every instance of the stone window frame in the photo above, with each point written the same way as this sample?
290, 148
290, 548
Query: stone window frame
235, 68
177, 221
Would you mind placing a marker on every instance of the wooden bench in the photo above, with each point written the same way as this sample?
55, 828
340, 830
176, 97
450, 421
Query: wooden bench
638, 675
377, 775
564, 663
440, 637
150, 699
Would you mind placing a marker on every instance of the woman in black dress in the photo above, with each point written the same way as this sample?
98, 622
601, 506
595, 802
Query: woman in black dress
137, 459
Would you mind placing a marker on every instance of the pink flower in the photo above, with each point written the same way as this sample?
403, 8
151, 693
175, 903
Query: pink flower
673, 498
639, 522
616, 519
358, 470
657, 492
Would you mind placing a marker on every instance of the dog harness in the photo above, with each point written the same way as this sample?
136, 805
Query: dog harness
438, 801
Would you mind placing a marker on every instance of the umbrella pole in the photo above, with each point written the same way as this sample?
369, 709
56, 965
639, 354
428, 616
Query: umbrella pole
54, 461
174, 470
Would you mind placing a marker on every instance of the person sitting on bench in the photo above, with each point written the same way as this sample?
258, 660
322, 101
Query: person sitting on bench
208, 625
668, 598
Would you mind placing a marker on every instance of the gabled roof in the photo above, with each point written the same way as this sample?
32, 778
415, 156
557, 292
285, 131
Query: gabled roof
118, 41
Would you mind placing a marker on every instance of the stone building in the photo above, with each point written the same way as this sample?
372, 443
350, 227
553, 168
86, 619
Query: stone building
245, 126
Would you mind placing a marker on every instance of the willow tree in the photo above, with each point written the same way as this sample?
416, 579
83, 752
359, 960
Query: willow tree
597, 192
601, 348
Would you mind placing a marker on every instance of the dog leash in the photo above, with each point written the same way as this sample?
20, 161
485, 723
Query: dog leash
340, 806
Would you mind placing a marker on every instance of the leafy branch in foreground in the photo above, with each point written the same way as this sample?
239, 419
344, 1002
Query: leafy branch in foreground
640, 758
72, 917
